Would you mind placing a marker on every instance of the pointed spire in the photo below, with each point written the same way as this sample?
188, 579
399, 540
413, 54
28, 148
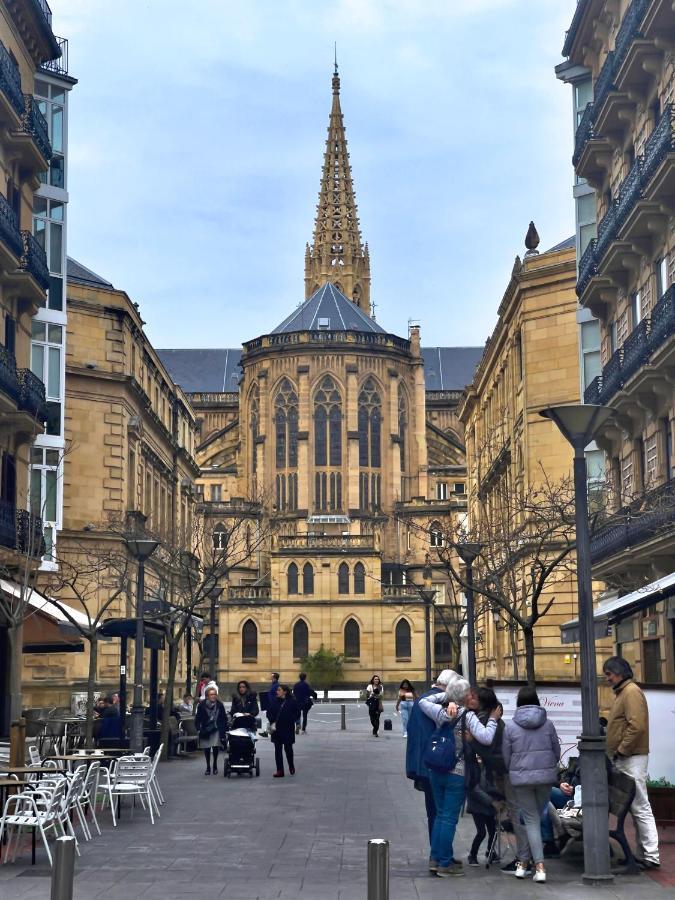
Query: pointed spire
337, 253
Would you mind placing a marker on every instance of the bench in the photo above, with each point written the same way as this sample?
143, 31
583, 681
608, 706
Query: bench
343, 695
188, 736
621, 788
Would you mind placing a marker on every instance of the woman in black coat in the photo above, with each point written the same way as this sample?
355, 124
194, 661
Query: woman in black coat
282, 717
211, 722
245, 700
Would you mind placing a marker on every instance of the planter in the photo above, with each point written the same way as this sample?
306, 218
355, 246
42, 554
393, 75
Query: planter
662, 801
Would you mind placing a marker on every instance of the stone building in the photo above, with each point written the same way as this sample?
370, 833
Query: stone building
348, 437
26, 43
625, 151
129, 461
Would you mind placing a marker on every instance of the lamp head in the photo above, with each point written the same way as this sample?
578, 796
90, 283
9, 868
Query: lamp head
578, 422
468, 551
141, 548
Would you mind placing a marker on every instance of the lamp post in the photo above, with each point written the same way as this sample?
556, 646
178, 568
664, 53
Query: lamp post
468, 551
214, 595
427, 594
578, 424
141, 549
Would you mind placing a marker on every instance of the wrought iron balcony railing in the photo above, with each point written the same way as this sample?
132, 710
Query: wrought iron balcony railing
7, 524
32, 394
636, 350
9, 228
34, 260
663, 319
583, 134
646, 518
35, 124
30, 540
9, 383
10, 80
60, 64
44, 8
593, 393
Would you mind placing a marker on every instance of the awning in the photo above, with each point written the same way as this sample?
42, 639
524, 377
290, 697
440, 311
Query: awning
63, 634
153, 634
42, 635
610, 612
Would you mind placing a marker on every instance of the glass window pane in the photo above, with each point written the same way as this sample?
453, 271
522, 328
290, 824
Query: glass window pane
41, 88
39, 206
55, 247
35, 492
35, 456
56, 211
40, 232
55, 334
56, 172
52, 457
586, 235
58, 94
50, 498
54, 374
57, 129
592, 367
53, 418
55, 292
37, 330
586, 208
37, 361
590, 335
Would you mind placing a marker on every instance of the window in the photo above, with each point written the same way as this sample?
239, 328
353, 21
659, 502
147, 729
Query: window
51, 99
254, 416
249, 641
459, 487
627, 477
635, 309
650, 463
352, 639
586, 225
46, 363
519, 357
307, 579
131, 480
583, 95
667, 448
591, 365
286, 425
442, 646
48, 221
300, 640
216, 492
402, 424
441, 490
435, 535
651, 665
662, 280
219, 537
369, 422
613, 336
44, 492
343, 579
359, 578
403, 641
327, 424
292, 579
10, 334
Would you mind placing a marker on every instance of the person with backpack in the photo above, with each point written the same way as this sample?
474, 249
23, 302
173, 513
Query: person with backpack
531, 750
485, 771
305, 695
445, 758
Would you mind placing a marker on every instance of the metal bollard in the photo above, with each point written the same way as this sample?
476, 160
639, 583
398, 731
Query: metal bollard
343, 717
63, 870
378, 869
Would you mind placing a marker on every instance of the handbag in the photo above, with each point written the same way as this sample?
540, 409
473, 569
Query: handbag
440, 753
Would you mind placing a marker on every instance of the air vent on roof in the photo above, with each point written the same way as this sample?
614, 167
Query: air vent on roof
324, 324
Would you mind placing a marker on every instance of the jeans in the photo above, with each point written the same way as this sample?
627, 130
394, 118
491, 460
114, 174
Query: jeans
641, 811
531, 799
304, 713
485, 824
374, 714
405, 708
279, 756
522, 845
448, 797
430, 805
559, 799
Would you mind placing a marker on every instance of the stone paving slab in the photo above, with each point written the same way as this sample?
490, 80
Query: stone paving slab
303, 837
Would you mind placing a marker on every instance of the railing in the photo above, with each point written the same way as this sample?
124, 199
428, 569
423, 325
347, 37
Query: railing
584, 133
636, 349
612, 376
7, 524
443, 395
60, 65
35, 124
635, 524
249, 592
224, 397
326, 541
32, 394
401, 590
9, 228
34, 260
371, 339
660, 143
10, 80
9, 383
43, 6
593, 393
30, 539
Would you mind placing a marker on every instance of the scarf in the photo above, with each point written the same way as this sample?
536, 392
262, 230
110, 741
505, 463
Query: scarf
212, 709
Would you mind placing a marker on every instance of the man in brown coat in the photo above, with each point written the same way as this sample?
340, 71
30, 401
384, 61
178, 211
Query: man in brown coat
628, 748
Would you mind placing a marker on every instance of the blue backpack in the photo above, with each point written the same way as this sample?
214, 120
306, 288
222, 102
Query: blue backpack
440, 754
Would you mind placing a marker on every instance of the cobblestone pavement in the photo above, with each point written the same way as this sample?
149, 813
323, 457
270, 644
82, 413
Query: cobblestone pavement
303, 837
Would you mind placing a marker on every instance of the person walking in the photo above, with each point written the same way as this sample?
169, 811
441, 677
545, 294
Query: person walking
420, 729
269, 699
211, 723
628, 748
283, 714
305, 696
244, 701
374, 697
449, 786
404, 703
531, 751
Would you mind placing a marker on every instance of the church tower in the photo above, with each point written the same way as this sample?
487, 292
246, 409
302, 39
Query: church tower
337, 254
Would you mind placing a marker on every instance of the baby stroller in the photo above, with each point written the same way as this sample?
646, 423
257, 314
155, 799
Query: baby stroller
241, 739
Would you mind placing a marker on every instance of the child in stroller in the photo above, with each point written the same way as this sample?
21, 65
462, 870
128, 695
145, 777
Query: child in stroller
241, 741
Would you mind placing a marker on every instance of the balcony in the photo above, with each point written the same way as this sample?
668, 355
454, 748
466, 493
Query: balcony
32, 395
34, 261
327, 542
648, 519
33, 137
11, 246
58, 66
9, 383
401, 592
11, 97
20, 531
249, 592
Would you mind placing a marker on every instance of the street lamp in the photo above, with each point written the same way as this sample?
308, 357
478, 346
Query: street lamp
578, 424
141, 549
427, 593
214, 595
468, 551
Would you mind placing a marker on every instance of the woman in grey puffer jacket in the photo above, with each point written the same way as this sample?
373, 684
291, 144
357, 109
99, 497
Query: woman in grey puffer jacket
531, 750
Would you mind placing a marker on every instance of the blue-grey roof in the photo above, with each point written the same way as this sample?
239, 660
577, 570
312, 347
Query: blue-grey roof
450, 368
328, 308
77, 272
567, 244
203, 371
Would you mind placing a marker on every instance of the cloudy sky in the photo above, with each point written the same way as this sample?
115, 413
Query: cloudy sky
197, 134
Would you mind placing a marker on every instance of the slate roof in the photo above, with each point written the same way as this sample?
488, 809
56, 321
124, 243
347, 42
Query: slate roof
450, 368
77, 272
331, 305
568, 244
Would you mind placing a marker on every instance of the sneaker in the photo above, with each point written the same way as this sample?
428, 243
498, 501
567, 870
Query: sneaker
472, 861
648, 864
208, 772
454, 870
539, 874
215, 770
292, 771
297, 729
405, 734
278, 775
522, 870
510, 867
433, 865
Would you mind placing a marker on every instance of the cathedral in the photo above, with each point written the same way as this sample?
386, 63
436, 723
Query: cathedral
347, 438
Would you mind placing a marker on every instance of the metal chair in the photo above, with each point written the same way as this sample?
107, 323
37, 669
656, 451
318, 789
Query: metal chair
131, 779
88, 797
35, 810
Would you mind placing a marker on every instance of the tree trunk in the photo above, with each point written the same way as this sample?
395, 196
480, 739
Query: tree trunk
91, 686
15, 642
514, 652
168, 695
528, 639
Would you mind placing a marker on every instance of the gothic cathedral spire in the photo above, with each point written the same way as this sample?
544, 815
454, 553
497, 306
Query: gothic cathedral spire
337, 253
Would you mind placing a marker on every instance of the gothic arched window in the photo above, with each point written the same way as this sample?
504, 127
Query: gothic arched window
292, 579
343, 578
442, 646
286, 425
249, 641
254, 418
327, 424
402, 423
307, 579
219, 537
352, 639
359, 578
435, 535
370, 425
300, 640
403, 640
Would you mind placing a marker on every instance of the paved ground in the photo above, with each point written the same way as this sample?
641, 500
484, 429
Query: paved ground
303, 837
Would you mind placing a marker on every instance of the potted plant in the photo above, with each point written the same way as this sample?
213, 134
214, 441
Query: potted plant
661, 793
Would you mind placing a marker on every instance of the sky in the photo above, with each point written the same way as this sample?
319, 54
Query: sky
196, 139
